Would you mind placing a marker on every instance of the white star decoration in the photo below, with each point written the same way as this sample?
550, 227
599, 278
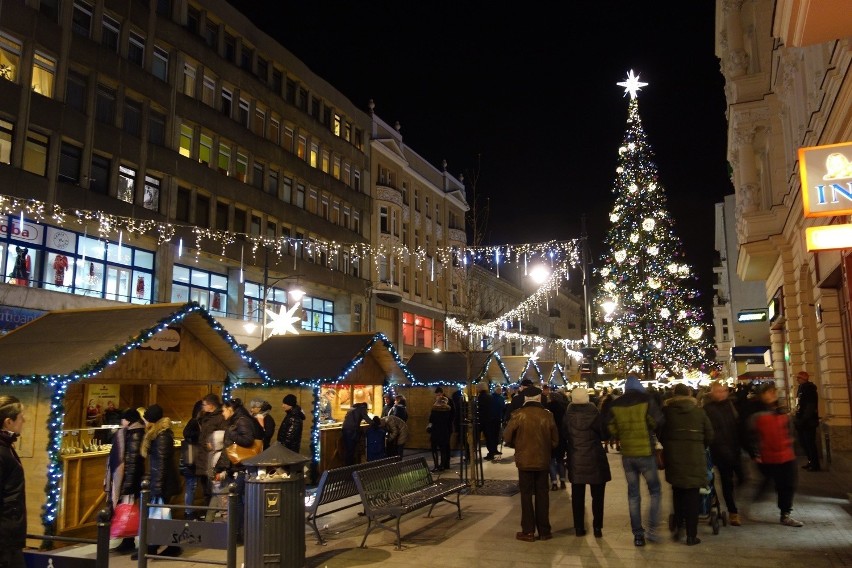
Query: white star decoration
283, 322
632, 84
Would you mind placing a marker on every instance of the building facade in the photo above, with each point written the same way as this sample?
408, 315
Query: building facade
788, 86
170, 151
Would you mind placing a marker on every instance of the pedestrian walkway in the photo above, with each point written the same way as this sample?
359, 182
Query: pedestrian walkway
485, 536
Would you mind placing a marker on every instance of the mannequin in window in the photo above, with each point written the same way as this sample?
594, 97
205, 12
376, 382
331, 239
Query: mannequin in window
21, 271
140, 287
60, 265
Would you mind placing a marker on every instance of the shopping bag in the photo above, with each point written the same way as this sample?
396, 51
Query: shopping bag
237, 453
161, 513
125, 519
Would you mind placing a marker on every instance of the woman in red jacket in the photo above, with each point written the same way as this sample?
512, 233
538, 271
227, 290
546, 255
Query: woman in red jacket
771, 447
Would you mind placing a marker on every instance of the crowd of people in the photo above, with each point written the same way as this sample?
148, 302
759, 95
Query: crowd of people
700, 434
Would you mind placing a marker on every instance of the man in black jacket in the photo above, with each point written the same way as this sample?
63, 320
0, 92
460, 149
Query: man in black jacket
290, 431
807, 419
13, 493
726, 447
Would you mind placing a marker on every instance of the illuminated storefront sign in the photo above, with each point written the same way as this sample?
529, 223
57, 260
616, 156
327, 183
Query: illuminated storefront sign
752, 315
826, 175
828, 237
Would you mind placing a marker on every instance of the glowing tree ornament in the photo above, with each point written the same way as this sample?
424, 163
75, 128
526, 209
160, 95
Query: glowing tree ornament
645, 264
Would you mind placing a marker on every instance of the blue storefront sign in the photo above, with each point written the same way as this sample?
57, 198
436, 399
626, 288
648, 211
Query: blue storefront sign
12, 317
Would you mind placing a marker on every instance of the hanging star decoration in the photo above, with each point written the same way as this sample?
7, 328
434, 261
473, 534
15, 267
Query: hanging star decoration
282, 322
632, 85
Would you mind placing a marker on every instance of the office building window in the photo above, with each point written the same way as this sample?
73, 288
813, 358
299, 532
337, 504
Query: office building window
314, 153
7, 130
230, 48
290, 92
164, 8
208, 92
326, 161
126, 183
239, 220
193, 19
75, 90
160, 67
227, 101
185, 140
99, 174
70, 160
287, 190
257, 175
244, 113
211, 34
246, 57
49, 8
205, 148
157, 128
335, 171
35, 153
132, 117
262, 69
275, 131
221, 216
202, 211
111, 33
356, 180
242, 166
272, 182
44, 74
189, 80
259, 124
300, 196
152, 193
10, 58
277, 81
384, 226
335, 125
302, 151
224, 158
288, 139
136, 49
105, 105
81, 19
356, 222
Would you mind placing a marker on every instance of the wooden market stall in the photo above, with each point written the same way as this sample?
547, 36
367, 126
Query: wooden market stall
453, 371
552, 373
327, 373
73, 369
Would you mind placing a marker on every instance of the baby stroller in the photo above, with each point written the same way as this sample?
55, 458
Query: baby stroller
709, 506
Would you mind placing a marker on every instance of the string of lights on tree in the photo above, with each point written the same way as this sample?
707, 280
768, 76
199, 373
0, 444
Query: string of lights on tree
58, 385
651, 319
216, 241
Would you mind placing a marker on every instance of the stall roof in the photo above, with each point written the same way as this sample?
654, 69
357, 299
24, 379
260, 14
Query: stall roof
451, 367
552, 372
522, 367
69, 342
328, 357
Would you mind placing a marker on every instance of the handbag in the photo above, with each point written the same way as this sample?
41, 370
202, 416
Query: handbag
658, 454
125, 519
161, 513
237, 453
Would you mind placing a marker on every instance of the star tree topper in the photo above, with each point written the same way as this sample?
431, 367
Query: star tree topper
632, 85
283, 322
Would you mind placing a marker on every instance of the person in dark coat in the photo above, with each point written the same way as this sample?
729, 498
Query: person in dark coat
399, 409
556, 403
583, 432
242, 430
685, 435
518, 397
486, 419
13, 492
210, 420
125, 466
397, 435
290, 431
387, 404
807, 419
458, 404
158, 447
189, 448
497, 417
441, 421
259, 409
725, 449
350, 432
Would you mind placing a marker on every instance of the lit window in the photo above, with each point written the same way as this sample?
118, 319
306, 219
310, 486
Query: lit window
10, 58
205, 148
189, 80
224, 158
326, 161
186, 140
35, 153
336, 125
44, 73
302, 151
314, 153
126, 181
335, 171
152, 193
6, 131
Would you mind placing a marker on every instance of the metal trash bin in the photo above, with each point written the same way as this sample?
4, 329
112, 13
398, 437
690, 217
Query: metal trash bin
274, 524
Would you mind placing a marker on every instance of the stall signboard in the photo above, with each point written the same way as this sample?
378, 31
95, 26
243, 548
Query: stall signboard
826, 176
166, 340
101, 400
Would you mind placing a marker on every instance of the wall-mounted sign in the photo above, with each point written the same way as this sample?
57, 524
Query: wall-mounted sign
828, 237
166, 340
826, 175
746, 316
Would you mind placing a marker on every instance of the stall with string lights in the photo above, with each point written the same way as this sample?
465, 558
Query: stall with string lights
327, 373
169, 354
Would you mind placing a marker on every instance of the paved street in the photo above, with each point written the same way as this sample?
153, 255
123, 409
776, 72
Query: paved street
486, 534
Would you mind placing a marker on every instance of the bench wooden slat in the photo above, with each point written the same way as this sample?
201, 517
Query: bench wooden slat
335, 485
392, 490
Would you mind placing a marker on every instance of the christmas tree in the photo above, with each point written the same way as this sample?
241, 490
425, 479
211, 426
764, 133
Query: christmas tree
651, 322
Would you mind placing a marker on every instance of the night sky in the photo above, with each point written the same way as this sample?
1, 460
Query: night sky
528, 104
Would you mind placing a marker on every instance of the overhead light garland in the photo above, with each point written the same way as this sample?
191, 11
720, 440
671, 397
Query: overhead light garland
216, 241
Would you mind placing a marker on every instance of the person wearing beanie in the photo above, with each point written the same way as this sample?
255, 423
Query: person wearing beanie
212, 426
685, 436
158, 447
584, 434
290, 431
518, 399
440, 429
633, 418
533, 433
259, 409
